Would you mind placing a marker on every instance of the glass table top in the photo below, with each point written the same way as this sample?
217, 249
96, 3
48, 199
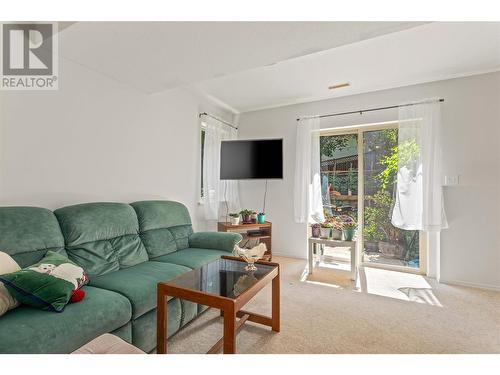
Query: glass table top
222, 277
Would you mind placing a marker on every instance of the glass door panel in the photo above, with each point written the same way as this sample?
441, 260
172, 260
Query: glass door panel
339, 187
339, 174
383, 243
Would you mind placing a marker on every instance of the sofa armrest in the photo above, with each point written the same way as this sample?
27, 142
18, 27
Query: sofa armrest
215, 240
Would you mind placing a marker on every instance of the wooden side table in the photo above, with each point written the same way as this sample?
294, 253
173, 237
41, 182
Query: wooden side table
315, 241
265, 236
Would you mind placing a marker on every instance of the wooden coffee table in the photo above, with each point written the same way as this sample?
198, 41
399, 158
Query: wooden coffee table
225, 285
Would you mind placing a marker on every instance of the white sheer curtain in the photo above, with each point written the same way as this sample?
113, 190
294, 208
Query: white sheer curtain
308, 202
216, 192
419, 194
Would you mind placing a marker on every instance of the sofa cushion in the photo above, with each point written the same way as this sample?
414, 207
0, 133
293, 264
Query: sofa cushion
27, 233
138, 283
144, 327
192, 257
28, 330
180, 313
165, 226
102, 237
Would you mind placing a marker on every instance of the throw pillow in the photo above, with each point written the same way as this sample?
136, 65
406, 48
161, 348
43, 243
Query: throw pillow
7, 265
48, 284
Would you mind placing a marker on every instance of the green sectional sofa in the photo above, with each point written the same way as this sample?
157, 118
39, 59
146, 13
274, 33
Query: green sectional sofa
126, 249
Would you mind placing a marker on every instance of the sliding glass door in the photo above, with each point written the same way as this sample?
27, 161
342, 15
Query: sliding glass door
359, 171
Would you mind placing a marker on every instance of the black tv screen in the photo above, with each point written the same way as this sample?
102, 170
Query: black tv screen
249, 159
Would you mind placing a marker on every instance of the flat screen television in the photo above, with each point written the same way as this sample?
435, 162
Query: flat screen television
251, 159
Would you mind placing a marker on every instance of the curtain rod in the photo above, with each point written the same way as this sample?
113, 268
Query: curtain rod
365, 110
218, 119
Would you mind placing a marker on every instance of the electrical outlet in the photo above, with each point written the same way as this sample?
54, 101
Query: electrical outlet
451, 180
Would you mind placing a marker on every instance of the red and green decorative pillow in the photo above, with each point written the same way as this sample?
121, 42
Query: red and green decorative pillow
49, 284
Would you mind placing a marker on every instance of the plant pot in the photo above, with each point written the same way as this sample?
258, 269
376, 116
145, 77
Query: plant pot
325, 232
253, 218
316, 230
234, 220
246, 219
371, 246
348, 234
261, 218
336, 234
391, 250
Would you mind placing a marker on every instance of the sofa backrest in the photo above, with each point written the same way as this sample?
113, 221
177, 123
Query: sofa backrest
101, 237
164, 226
27, 233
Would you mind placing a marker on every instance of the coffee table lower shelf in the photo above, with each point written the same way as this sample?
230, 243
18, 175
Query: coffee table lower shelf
231, 308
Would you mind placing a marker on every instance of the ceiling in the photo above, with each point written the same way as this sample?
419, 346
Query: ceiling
157, 56
253, 65
426, 53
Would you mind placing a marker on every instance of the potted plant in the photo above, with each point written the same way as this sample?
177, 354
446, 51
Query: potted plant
235, 218
326, 228
390, 241
245, 216
261, 217
253, 217
393, 245
336, 228
316, 230
348, 229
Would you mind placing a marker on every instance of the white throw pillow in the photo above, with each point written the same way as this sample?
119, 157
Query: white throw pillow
7, 265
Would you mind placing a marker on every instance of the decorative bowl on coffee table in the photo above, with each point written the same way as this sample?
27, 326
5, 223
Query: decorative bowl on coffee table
251, 255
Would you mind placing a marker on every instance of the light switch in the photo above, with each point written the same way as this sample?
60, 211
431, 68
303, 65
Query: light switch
451, 180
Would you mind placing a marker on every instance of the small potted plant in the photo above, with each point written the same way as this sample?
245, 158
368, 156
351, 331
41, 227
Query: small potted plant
254, 217
326, 228
235, 218
336, 228
245, 216
261, 217
316, 230
348, 229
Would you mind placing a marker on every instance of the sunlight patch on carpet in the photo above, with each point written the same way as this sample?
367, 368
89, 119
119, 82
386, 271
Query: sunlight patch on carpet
399, 285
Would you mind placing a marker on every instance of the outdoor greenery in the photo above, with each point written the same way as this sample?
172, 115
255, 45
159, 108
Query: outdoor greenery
405, 154
377, 216
341, 181
378, 209
329, 144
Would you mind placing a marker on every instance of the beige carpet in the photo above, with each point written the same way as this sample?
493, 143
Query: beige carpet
385, 312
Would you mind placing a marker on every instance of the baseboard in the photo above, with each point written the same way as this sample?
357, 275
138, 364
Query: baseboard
471, 285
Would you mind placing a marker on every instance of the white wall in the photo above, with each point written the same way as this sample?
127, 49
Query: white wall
470, 248
96, 139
